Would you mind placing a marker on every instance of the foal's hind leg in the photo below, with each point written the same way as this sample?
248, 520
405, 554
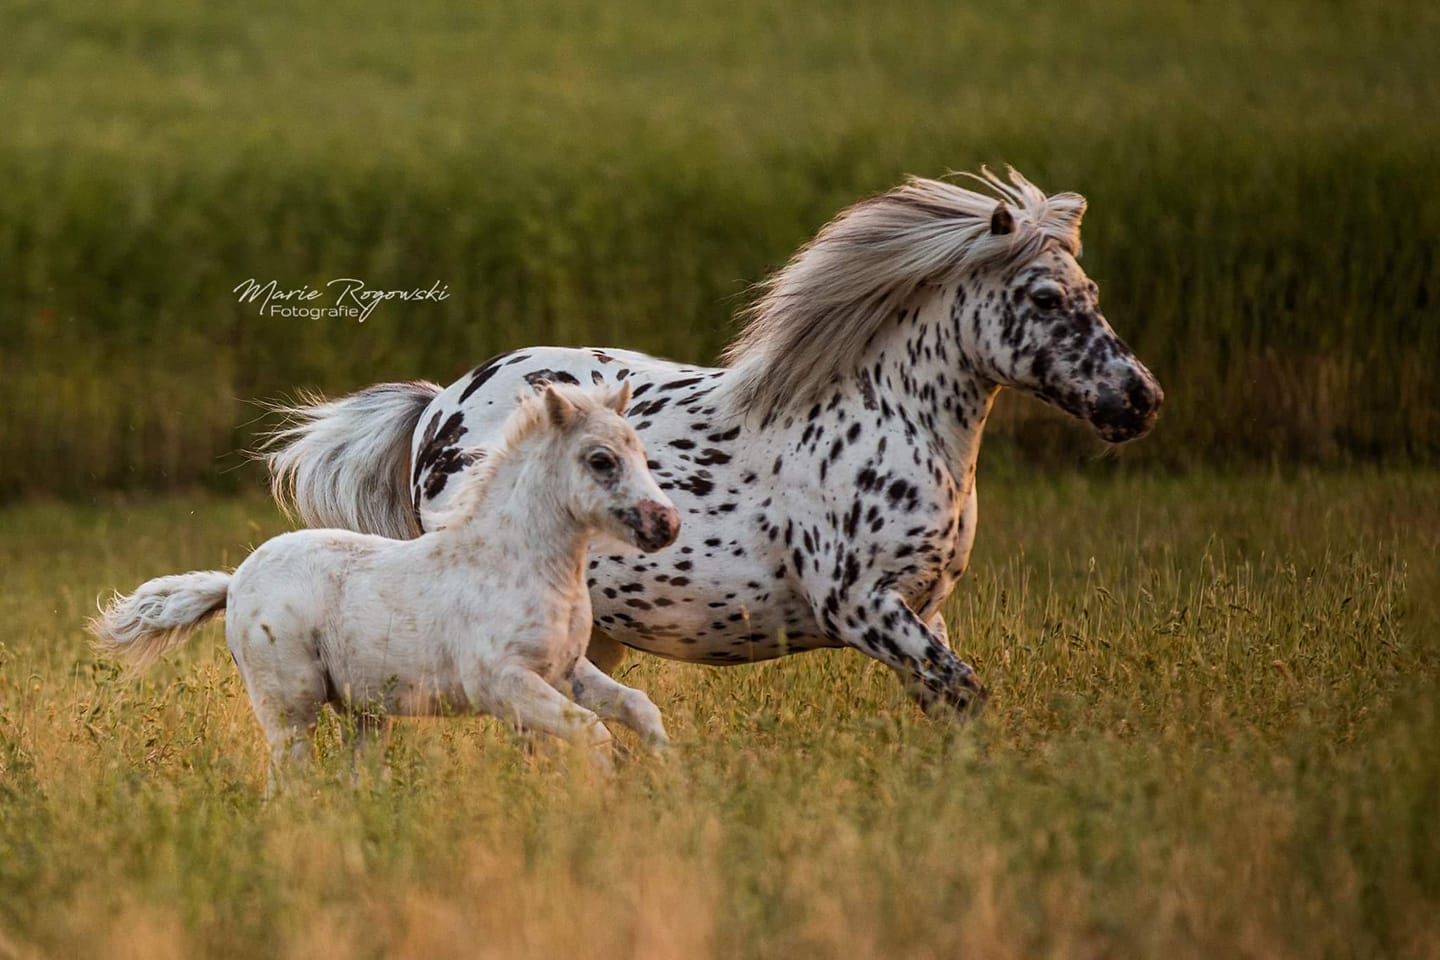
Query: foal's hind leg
291, 748
287, 692
361, 728
291, 752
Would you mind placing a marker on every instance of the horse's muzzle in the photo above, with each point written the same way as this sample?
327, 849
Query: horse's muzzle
1130, 412
654, 524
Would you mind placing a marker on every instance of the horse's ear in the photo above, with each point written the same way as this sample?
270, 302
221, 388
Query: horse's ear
621, 398
558, 406
1001, 221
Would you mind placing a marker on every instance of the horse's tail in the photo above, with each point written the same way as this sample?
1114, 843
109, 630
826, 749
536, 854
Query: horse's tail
345, 463
159, 615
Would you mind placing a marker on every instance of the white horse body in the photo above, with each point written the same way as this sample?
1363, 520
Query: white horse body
826, 477
487, 613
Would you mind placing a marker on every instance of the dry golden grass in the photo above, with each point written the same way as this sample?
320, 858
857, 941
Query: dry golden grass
1212, 733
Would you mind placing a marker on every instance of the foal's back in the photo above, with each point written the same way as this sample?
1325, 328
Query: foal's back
319, 616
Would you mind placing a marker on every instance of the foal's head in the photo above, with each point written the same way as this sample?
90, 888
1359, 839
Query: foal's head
600, 469
1035, 324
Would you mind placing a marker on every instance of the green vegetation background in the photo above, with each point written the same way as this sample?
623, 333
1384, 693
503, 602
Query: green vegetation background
1264, 216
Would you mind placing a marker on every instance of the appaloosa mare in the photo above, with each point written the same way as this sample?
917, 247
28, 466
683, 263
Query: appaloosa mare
827, 474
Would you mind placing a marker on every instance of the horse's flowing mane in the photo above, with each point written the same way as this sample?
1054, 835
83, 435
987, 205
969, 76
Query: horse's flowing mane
814, 318
527, 419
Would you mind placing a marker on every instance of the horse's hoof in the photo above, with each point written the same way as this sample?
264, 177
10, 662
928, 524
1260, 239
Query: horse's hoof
962, 699
971, 701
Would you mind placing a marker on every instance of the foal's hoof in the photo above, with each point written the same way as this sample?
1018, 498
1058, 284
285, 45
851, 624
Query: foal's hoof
648, 746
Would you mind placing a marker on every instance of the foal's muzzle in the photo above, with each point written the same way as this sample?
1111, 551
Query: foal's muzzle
654, 524
1129, 412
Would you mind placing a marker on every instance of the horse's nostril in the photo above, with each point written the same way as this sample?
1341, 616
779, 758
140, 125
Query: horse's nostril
1143, 399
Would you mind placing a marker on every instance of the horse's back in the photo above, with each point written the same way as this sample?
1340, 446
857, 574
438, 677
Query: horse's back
468, 415
487, 394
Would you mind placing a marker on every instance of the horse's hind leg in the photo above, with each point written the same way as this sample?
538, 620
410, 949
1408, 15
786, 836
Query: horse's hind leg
612, 700
604, 651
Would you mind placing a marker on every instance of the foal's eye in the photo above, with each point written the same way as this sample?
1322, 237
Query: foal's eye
601, 461
1046, 298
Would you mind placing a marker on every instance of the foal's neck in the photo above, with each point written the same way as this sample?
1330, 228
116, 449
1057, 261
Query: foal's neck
520, 517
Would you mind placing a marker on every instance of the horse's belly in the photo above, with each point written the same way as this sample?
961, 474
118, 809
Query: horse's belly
719, 648
739, 619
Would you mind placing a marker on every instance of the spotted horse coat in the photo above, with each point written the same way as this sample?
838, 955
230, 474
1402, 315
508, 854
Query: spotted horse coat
826, 477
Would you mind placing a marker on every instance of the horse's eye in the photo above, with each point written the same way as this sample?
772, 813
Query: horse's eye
1046, 298
601, 461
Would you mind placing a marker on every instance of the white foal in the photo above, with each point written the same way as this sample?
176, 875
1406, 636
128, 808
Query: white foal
488, 613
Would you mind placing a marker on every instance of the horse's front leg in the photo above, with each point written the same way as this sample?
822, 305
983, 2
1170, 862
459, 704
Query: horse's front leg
884, 626
937, 626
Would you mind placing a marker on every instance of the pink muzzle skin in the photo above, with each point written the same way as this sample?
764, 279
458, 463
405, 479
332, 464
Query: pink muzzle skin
655, 524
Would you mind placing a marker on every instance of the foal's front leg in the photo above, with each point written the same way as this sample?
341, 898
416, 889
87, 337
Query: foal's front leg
612, 700
885, 627
529, 703
592, 686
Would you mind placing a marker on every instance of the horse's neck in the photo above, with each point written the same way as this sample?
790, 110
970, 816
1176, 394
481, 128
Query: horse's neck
518, 515
918, 367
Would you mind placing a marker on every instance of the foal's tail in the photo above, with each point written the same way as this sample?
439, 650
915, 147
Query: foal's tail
345, 463
159, 616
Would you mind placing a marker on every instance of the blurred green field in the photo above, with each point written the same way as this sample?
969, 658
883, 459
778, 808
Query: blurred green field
1212, 733
1264, 217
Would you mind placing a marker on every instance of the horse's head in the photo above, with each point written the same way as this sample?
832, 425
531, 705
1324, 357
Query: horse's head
1036, 325
610, 485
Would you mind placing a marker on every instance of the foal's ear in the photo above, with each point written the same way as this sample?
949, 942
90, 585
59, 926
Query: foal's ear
1001, 221
621, 398
558, 407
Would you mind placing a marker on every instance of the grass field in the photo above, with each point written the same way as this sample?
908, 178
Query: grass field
1213, 733
1264, 219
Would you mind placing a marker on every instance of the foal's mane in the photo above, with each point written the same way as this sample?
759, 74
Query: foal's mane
814, 318
528, 419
